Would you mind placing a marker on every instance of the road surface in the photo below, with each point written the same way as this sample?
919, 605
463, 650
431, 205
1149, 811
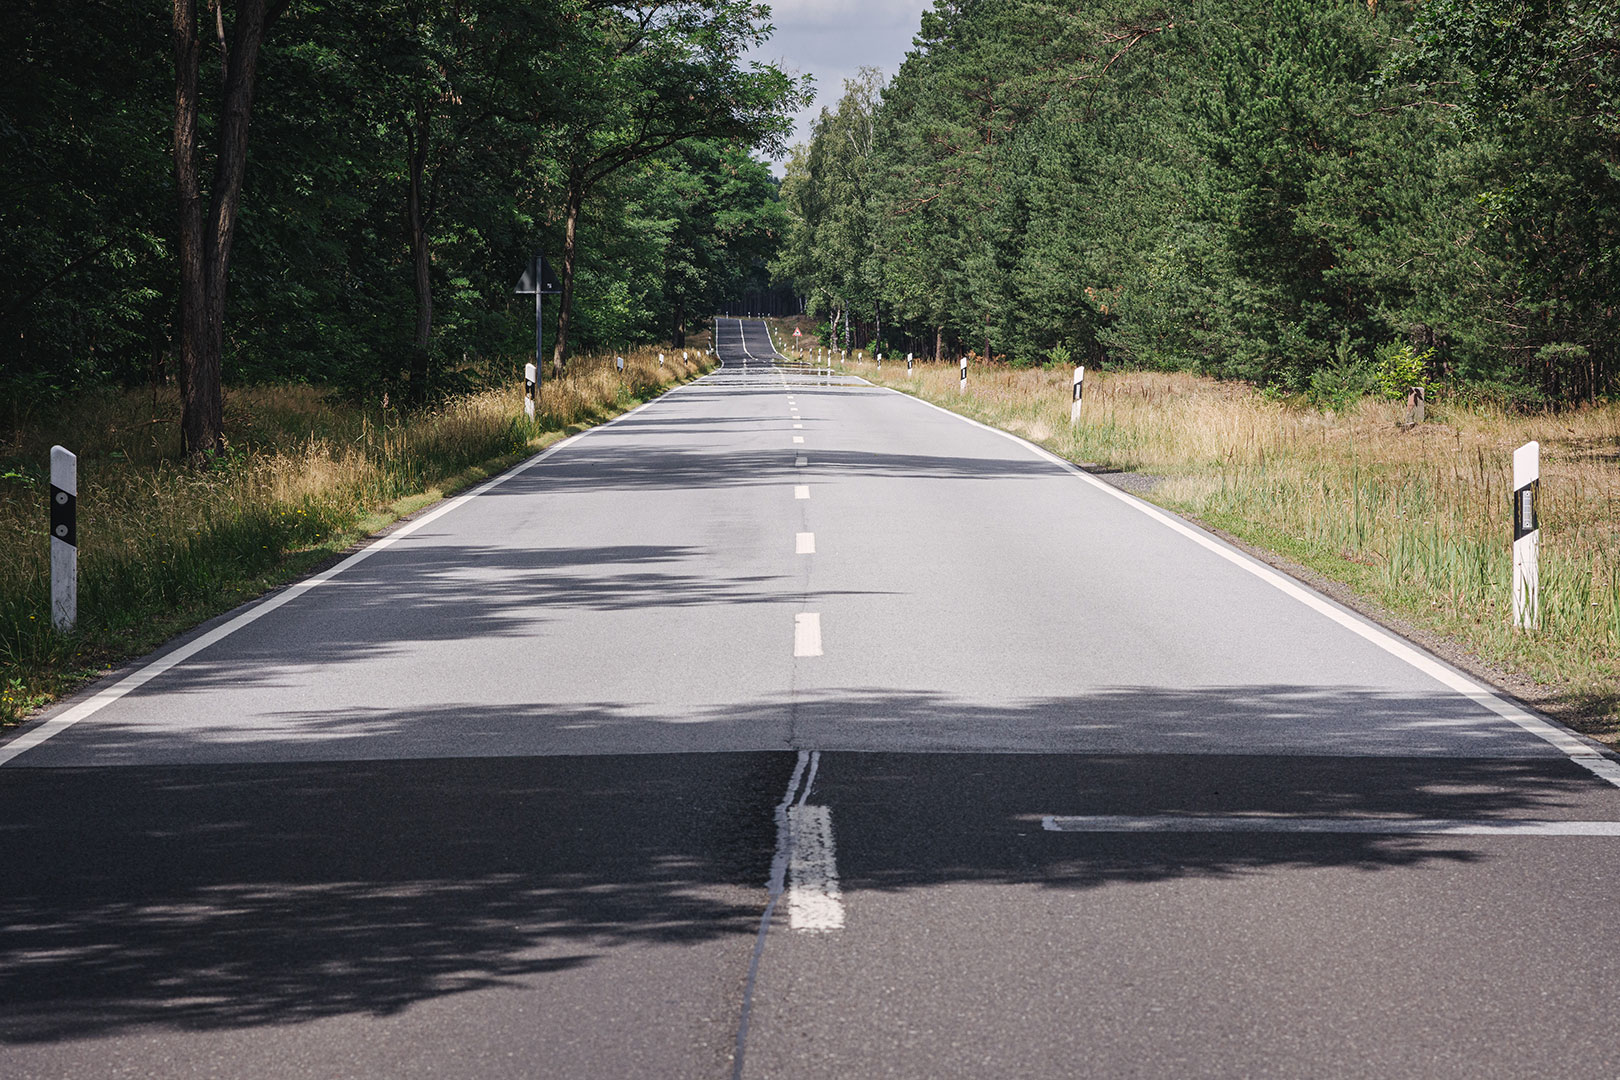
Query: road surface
791, 727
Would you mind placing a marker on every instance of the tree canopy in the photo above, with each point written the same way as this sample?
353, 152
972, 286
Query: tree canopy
404, 160
1292, 192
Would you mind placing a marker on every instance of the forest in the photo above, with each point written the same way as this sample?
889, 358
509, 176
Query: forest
1322, 197
343, 192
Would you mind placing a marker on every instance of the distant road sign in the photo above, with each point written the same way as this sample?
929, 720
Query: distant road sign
541, 270
797, 332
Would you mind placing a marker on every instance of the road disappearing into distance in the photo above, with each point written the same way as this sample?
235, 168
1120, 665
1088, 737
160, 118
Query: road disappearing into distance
788, 726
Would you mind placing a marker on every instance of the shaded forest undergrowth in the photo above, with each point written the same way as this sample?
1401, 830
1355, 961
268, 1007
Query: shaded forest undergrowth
165, 545
1415, 519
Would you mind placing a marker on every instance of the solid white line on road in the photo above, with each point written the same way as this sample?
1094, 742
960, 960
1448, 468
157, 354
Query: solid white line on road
807, 634
801, 462
775, 887
1582, 753
815, 902
798, 438
801, 491
804, 543
1189, 823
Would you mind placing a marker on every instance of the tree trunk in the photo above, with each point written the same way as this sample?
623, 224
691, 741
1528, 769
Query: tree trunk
680, 326
416, 135
939, 344
205, 242
576, 197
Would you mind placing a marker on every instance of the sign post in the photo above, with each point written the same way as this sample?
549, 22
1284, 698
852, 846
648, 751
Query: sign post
64, 539
539, 280
1526, 536
1079, 390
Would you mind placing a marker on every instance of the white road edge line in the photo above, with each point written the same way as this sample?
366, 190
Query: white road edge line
807, 634
804, 543
1580, 752
1173, 823
144, 674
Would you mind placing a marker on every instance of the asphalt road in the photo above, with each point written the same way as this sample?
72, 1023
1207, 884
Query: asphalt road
902, 750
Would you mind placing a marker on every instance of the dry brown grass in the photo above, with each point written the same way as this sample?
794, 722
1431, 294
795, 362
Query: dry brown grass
164, 544
1417, 519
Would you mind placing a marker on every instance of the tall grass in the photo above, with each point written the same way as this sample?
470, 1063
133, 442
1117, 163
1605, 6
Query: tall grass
164, 544
1418, 519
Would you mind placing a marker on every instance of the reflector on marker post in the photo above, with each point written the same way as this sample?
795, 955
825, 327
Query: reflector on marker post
64, 539
1079, 391
531, 374
1526, 536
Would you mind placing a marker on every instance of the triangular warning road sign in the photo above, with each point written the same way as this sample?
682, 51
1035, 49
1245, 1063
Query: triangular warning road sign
548, 280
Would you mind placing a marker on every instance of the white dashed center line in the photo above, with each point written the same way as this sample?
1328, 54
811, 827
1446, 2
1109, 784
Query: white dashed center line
798, 438
807, 634
801, 462
804, 543
801, 491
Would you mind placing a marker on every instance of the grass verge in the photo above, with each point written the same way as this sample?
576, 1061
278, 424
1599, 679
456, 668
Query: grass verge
1412, 521
164, 546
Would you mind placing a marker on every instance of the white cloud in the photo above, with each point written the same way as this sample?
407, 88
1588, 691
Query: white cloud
832, 39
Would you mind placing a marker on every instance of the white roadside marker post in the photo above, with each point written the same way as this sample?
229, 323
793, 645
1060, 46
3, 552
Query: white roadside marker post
530, 374
908, 363
64, 539
1526, 536
660, 359
962, 389
620, 361
880, 361
1079, 391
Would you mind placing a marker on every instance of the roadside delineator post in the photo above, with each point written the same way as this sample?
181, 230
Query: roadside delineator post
1526, 536
908, 363
64, 539
1079, 391
660, 359
619, 360
963, 387
531, 376
1414, 406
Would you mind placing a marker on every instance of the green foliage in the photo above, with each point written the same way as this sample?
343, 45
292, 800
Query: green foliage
1234, 188
493, 93
1401, 367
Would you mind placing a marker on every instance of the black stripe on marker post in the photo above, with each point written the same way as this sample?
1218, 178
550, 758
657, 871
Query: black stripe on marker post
64, 516
1527, 509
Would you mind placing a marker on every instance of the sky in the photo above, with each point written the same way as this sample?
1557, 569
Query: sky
832, 39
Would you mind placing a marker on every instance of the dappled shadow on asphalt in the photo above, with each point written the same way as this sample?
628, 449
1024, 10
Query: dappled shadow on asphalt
192, 898
200, 898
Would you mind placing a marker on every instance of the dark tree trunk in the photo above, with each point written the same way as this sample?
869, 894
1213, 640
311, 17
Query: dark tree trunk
205, 237
416, 135
576, 198
939, 344
680, 326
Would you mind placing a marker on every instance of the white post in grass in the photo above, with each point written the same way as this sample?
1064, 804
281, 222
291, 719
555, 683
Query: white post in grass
64, 539
1079, 391
660, 359
1526, 536
620, 361
880, 361
530, 373
963, 388
908, 363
